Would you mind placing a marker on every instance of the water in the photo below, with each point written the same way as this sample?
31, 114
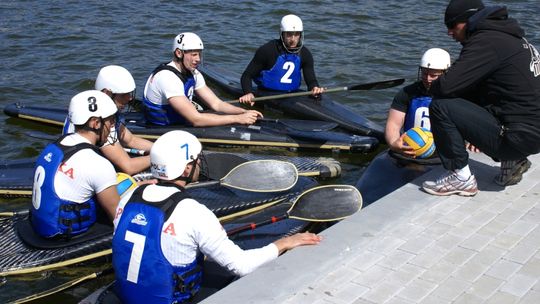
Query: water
51, 50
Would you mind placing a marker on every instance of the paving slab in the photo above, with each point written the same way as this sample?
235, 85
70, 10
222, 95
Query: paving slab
412, 247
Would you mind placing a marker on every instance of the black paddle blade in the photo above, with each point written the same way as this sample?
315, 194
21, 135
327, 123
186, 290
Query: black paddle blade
216, 165
327, 203
265, 175
379, 85
301, 124
308, 125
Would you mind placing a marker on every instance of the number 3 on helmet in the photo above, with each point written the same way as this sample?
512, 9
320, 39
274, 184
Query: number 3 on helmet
89, 104
187, 42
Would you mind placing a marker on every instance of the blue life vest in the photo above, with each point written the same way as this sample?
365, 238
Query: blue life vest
418, 113
143, 274
164, 115
50, 215
284, 75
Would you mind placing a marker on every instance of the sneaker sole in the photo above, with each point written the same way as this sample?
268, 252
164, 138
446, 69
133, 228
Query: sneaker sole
517, 176
458, 192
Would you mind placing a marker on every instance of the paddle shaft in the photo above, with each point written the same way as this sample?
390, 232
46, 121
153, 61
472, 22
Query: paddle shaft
287, 95
252, 226
365, 86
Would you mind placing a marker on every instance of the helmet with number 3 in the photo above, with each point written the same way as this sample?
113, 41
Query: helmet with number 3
91, 103
187, 42
172, 152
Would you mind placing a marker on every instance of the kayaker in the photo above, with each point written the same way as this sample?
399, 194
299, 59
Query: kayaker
276, 65
169, 91
71, 177
117, 83
162, 234
490, 98
410, 107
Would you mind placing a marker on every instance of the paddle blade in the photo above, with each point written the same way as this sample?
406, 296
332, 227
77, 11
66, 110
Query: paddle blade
379, 85
326, 203
308, 125
216, 165
264, 175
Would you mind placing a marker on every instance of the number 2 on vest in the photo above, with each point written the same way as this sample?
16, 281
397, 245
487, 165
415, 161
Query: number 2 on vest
289, 66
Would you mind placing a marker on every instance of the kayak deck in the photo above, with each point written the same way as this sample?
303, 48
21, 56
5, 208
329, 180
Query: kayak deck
16, 257
264, 133
325, 108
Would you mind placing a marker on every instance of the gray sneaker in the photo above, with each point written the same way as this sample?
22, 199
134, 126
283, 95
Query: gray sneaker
512, 171
449, 183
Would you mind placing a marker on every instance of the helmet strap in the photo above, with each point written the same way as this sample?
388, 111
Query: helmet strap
294, 50
188, 179
180, 62
97, 131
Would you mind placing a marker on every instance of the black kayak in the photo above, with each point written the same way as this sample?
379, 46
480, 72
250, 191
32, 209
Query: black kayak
389, 171
16, 176
216, 277
292, 134
24, 252
325, 109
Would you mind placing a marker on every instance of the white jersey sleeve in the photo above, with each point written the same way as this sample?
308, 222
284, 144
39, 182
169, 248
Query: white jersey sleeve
84, 174
200, 230
199, 80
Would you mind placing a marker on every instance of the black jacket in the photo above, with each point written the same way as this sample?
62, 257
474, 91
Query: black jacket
495, 70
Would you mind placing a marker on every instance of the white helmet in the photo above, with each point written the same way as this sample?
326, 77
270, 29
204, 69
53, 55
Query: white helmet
436, 59
187, 42
116, 79
91, 103
291, 23
172, 152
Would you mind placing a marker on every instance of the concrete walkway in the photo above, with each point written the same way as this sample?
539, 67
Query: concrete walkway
411, 247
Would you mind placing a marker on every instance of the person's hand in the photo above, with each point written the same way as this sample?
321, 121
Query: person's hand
147, 182
471, 147
249, 117
316, 91
399, 146
298, 239
247, 99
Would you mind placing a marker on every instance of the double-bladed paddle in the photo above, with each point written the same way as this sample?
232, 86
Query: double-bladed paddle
319, 204
378, 85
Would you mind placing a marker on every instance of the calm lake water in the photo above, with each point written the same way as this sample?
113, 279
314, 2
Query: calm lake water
51, 50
